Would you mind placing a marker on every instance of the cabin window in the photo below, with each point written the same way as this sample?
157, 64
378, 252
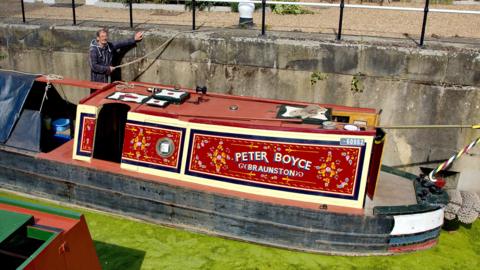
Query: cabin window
110, 131
341, 119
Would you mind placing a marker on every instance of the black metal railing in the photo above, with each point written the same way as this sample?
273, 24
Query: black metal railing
264, 3
340, 20
194, 4
130, 5
264, 7
73, 12
424, 24
23, 11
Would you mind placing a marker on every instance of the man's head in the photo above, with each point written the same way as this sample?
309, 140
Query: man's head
102, 37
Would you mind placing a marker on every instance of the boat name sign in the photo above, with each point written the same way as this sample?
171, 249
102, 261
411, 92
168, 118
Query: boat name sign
326, 167
277, 157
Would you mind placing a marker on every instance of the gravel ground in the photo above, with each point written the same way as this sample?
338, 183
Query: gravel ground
324, 20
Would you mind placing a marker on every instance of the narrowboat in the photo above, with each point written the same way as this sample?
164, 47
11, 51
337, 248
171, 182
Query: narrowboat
288, 174
36, 237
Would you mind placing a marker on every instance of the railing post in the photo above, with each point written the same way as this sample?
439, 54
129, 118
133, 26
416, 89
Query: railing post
131, 14
74, 16
264, 6
194, 5
424, 24
23, 11
340, 20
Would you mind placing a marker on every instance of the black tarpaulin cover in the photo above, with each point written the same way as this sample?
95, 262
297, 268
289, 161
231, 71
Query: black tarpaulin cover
14, 89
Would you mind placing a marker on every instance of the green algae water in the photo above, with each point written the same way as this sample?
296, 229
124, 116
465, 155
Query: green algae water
122, 243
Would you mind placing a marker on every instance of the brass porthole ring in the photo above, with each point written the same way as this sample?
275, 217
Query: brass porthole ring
165, 147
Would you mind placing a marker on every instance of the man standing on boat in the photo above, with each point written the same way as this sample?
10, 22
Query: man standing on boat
102, 52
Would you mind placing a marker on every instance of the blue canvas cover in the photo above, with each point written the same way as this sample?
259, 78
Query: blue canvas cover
14, 89
27, 132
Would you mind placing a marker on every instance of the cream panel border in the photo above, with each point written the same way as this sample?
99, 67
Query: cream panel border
248, 189
162, 121
81, 108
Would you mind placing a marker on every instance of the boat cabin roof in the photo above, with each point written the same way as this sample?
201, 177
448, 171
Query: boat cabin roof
228, 110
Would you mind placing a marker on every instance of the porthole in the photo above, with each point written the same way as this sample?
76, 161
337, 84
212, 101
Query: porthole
165, 147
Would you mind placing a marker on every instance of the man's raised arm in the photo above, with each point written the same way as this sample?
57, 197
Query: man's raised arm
129, 42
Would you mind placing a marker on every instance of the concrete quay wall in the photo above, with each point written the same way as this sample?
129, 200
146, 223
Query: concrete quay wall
434, 85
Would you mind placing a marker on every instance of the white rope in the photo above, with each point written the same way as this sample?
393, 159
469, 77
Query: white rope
47, 87
49, 77
123, 85
53, 77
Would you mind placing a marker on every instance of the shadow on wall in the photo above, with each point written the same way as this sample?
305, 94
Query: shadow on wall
117, 60
117, 257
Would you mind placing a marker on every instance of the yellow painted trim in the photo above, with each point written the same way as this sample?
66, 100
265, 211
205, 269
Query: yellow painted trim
379, 168
248, 189
82, 108
370, 118
185, 151
136, 116
129, 167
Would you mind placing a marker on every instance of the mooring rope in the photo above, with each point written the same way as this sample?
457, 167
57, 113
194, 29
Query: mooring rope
150, 53
165, 44
428, 126
47, 87
53, 77
49, 77
449, 162
159, 47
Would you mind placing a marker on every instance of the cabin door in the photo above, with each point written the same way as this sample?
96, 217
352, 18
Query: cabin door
110, 131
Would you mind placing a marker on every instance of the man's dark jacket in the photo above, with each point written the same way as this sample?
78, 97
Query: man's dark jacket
101, 58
